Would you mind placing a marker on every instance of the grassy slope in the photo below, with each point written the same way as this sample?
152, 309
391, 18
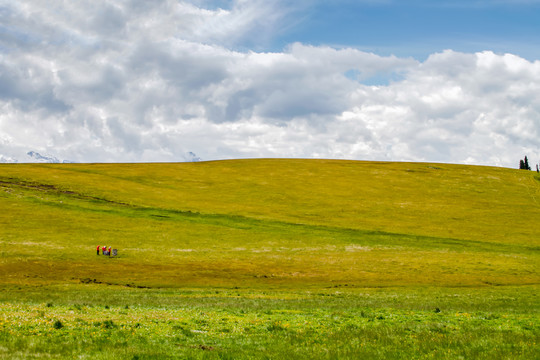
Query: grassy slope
261, 223
269, 259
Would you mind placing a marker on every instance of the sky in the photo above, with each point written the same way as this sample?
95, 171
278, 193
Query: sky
450, 81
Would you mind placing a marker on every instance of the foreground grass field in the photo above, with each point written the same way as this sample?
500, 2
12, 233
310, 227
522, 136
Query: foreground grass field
269, 259
367, 323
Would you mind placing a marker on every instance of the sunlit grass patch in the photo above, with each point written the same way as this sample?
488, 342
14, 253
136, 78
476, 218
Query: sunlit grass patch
344, 328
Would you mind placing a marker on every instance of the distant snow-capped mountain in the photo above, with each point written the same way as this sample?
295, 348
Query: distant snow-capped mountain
43, 158
47, 158
191, 157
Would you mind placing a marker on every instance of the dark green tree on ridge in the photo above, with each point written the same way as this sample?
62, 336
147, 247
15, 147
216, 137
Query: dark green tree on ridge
524, 164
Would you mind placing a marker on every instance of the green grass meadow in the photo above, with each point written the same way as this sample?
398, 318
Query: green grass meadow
269, 259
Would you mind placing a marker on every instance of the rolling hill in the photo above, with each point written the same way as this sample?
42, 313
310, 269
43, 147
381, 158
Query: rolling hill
269, 223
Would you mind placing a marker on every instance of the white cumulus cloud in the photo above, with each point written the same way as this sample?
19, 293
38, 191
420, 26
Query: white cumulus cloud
109, 80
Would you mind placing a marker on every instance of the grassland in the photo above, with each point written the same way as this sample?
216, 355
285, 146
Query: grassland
269, 259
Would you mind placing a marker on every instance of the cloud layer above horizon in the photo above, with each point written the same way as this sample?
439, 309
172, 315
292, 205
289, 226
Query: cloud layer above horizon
139, 81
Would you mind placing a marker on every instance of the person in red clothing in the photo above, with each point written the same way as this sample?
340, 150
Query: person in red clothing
97, 249
109, 251
103, 249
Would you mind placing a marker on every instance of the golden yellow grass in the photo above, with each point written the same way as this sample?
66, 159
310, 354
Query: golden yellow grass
270, 223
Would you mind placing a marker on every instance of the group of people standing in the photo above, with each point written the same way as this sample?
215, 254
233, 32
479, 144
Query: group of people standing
104, 250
